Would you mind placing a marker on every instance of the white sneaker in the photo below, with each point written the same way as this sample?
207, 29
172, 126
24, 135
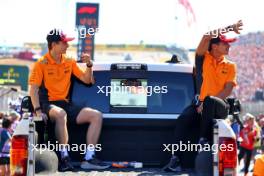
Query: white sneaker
94, 163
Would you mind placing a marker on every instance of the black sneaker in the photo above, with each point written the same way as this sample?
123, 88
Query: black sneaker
65, 164
202, 142
94, 163
173, 165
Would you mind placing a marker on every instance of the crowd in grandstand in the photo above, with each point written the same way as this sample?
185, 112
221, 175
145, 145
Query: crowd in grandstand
248, 53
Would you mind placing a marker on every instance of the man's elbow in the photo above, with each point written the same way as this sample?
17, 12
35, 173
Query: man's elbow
226, 93
229, 88
88, 81
92, 80
202, 48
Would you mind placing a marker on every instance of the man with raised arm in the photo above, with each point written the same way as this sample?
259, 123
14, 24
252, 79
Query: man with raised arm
215, 80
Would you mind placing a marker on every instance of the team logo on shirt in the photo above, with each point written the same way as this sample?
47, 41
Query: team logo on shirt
225, 70
67, 69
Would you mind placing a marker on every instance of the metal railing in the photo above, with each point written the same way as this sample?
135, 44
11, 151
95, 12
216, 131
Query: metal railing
10, 98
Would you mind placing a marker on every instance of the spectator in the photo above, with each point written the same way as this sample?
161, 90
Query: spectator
1, 118
236, 128
261, 124
15, 117
5, 142
1, 115
248, 135
257, 144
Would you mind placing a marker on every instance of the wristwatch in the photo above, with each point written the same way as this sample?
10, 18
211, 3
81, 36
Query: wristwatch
37, 109
90, 64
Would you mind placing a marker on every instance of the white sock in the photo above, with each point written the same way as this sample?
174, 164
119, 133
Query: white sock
64, 152
90, 151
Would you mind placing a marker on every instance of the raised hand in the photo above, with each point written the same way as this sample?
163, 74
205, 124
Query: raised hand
237, 27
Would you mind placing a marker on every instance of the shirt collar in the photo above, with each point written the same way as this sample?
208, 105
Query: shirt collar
51, 60
223, 60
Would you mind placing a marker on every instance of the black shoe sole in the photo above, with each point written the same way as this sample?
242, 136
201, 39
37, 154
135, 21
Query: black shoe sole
66, 169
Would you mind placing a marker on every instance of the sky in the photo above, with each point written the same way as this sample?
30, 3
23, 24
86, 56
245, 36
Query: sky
127, 21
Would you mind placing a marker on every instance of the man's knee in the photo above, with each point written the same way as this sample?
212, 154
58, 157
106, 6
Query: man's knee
212, 102
62, 116
189, 113
217, 105
90, 115
59, 115
209, 99
97, 116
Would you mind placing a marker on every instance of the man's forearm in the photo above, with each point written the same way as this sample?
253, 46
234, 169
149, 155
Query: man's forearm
88, 75
204, 43
34, 96
226, 91
223, 94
